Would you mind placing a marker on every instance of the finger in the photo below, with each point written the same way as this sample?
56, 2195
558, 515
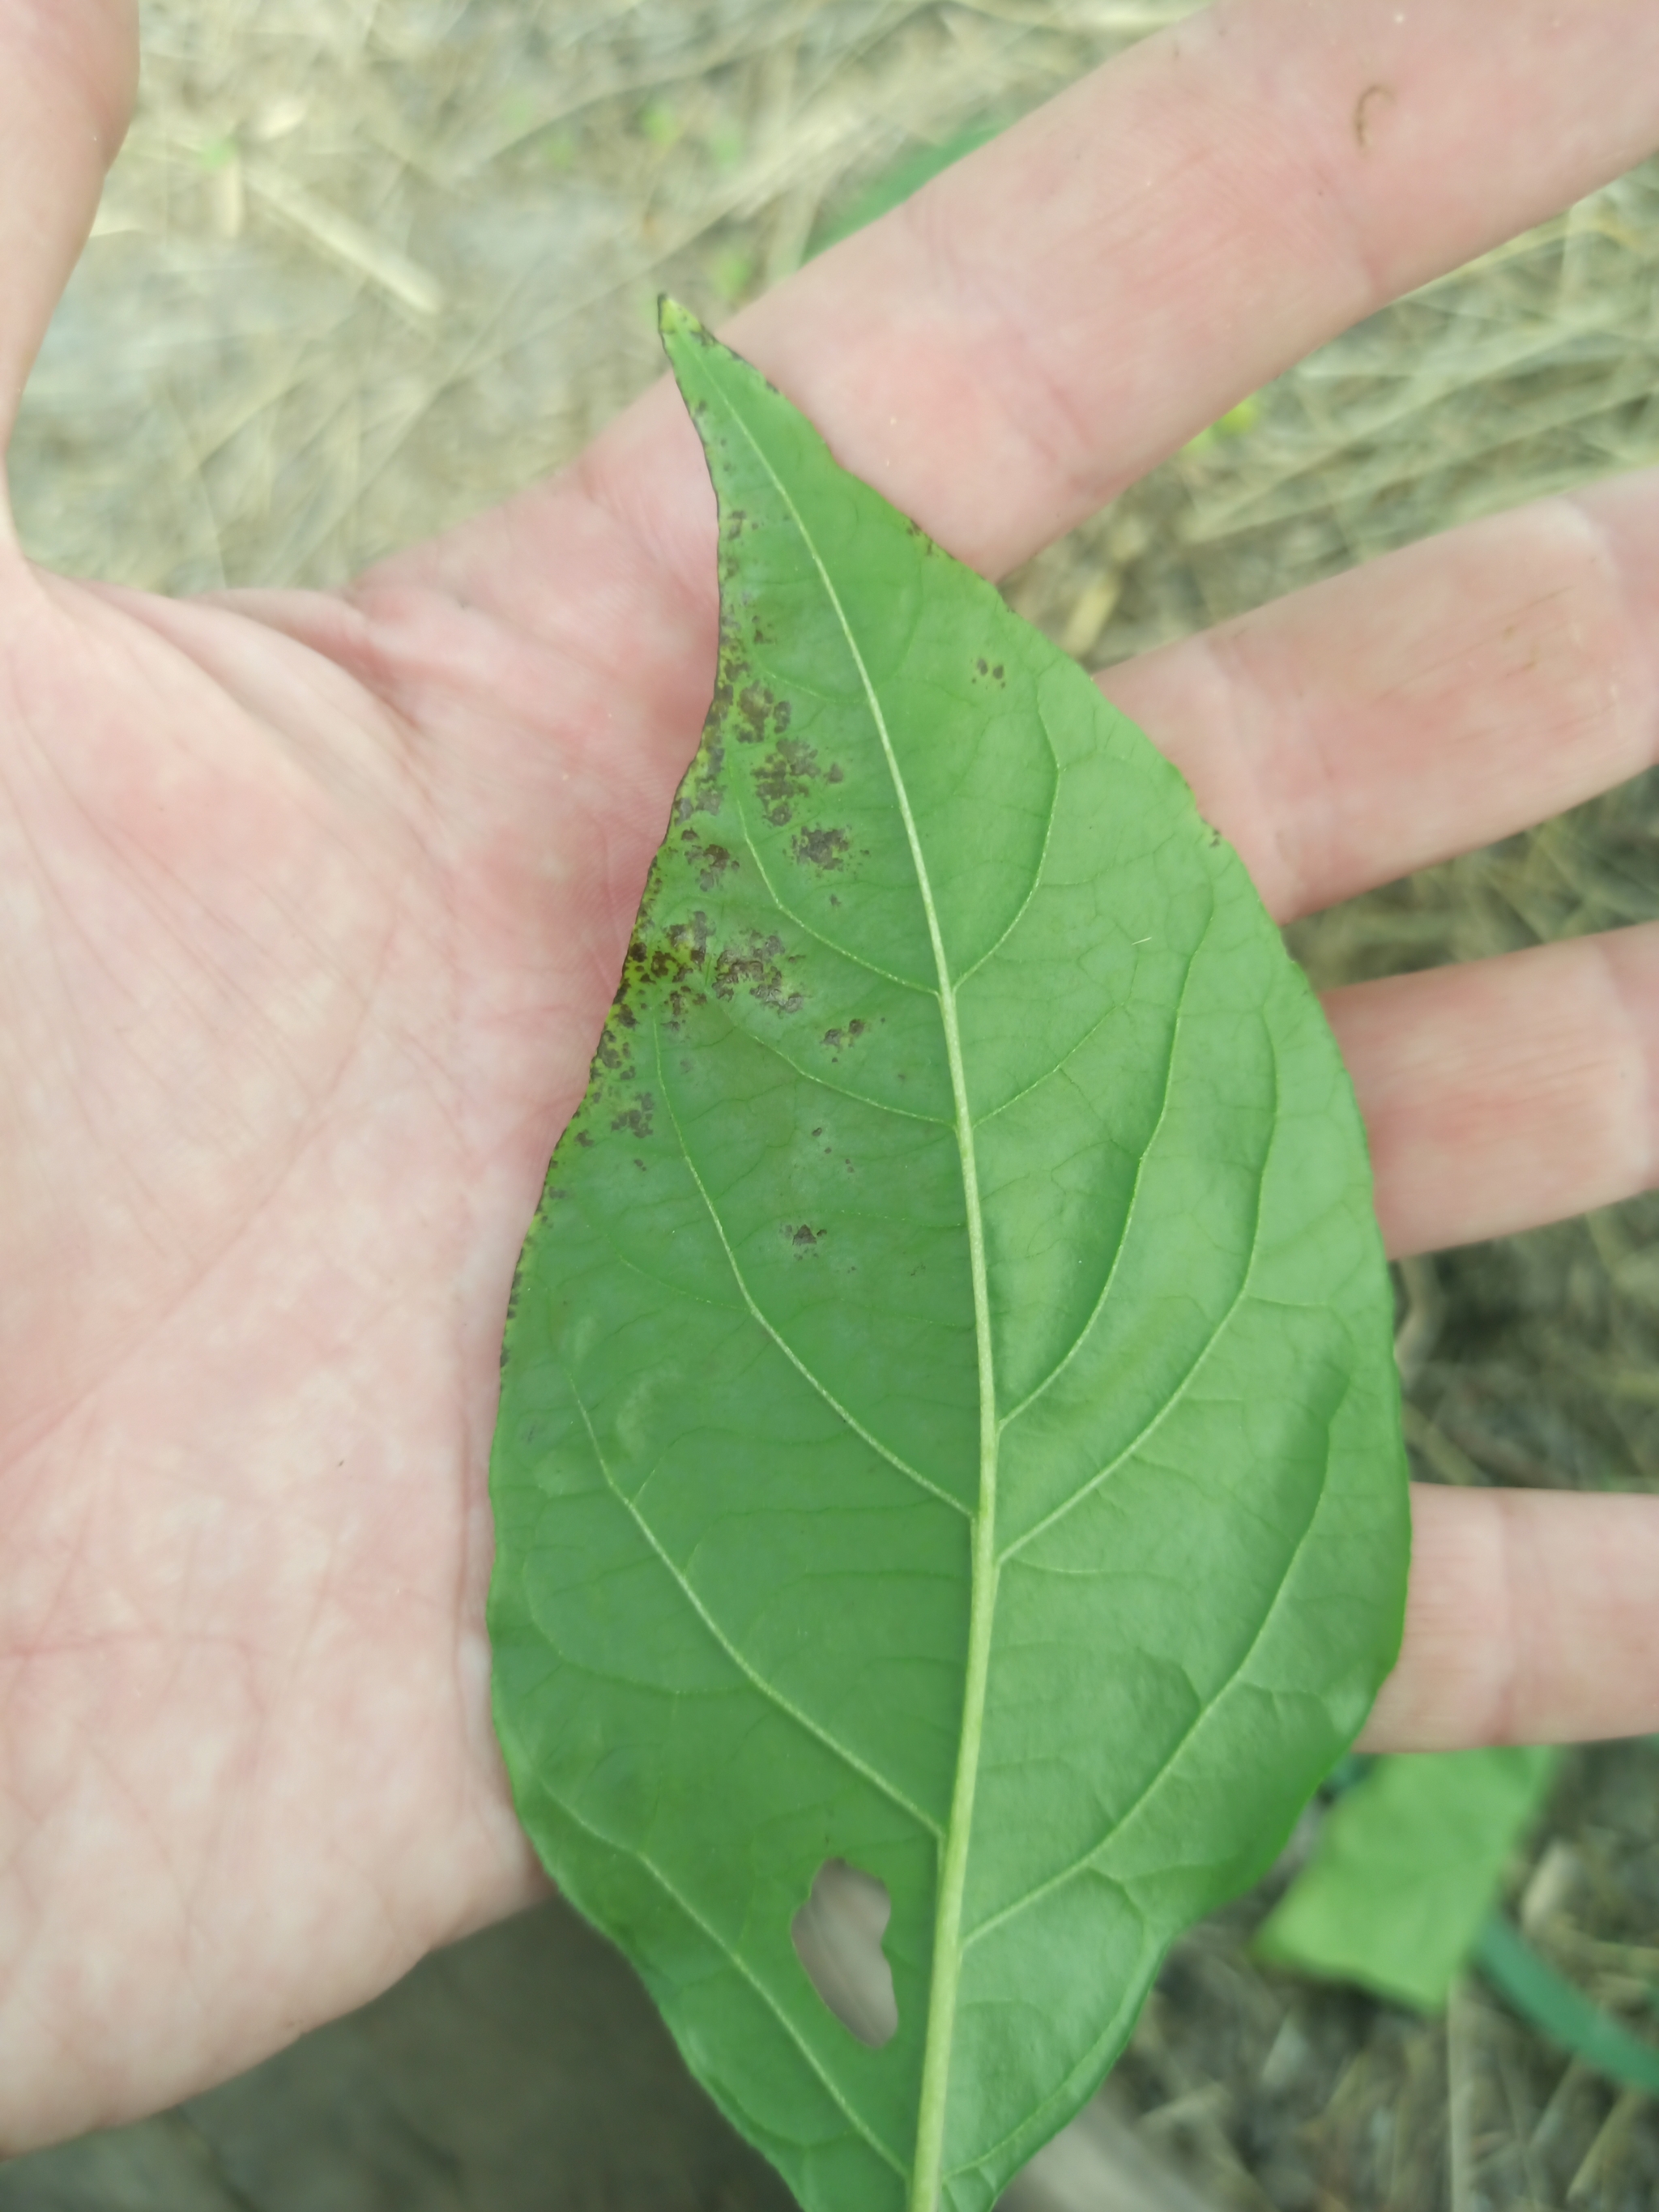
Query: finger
1438, 699
1505, 1093
1048, 318
68, 69
1530, 1620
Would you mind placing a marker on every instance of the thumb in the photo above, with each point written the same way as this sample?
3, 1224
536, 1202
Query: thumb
67, 72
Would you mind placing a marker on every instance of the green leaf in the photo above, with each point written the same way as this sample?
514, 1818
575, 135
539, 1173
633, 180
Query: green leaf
1406, 1871
1563, 2012
948, 1420
917, 167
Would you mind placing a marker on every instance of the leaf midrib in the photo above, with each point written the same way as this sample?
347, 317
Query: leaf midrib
1159, 1778
926, 2172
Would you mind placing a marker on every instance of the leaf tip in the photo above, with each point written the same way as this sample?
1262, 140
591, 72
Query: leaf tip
677, 323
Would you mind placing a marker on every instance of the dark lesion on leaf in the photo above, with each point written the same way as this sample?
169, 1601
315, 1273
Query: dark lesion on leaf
742, 706
756, 964
712, 861
613, 1058
835, 1038
784, 778
668, 964
665, 956
759, 713
702, 793
821, 849
637, 1117
802, 1236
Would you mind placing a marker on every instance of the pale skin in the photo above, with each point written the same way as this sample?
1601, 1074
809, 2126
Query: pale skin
310, 908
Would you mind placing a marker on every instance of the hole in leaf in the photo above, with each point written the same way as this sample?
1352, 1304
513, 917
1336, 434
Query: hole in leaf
838, 1937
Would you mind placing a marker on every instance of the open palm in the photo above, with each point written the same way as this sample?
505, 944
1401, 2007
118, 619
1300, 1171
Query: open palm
312, 905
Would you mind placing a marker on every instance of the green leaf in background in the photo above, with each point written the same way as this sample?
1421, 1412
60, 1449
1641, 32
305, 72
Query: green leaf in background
919, 167
1406, 1871
1563, 2012
949, 1421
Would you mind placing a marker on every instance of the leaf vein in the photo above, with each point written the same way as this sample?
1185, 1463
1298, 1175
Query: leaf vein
840, 1090
1159, 1779
841, 953
742, 1967
799, 1365
767, 1690
1035, 884
1146, 1150
1149, 1428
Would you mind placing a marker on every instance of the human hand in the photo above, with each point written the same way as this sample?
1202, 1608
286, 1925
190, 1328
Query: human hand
313, 905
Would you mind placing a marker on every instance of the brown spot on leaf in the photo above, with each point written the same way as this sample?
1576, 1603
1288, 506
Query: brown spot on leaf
637, 1118
700, 794
716, 862
753, 707
783, 778
613, 1055
757, 965
820, 848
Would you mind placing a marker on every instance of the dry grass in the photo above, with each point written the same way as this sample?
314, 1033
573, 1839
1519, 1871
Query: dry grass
363, 269
367, 265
